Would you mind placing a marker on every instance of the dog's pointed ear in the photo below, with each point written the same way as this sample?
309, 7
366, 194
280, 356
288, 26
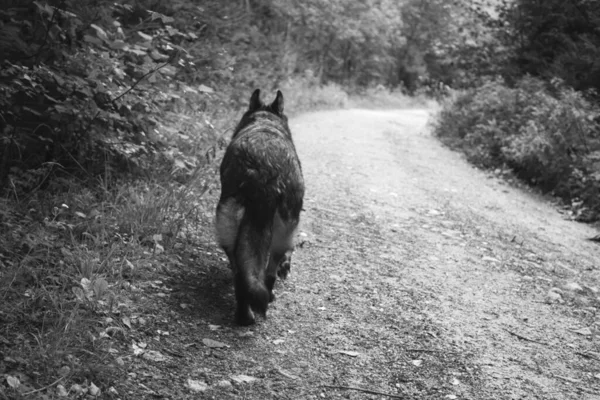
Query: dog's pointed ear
277, 105
255, 102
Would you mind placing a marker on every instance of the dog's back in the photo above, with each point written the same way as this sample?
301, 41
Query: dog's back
262, 190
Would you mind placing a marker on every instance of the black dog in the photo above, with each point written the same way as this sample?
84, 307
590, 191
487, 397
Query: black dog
262, 190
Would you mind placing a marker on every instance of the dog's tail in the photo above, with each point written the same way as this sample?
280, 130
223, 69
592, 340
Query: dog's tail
252, 255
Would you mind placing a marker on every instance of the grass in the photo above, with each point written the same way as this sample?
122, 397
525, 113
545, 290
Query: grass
69, 266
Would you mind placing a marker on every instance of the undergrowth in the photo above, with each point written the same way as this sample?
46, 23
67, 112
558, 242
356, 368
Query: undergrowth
548, 134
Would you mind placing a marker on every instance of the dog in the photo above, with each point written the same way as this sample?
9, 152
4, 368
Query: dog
262, 190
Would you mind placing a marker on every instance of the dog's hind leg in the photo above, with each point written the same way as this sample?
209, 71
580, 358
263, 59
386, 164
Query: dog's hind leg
282, 246
251, 257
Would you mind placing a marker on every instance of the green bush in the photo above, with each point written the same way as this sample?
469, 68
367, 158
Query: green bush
546, 133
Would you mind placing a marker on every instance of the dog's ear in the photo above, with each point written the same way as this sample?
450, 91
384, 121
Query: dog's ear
277, 105
255, 102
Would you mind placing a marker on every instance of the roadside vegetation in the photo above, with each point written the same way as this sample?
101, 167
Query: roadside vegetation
534, 112
113, 117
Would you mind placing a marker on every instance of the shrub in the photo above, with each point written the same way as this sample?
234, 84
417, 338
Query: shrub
546, 133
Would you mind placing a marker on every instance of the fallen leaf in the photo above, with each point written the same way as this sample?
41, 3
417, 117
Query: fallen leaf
205, 89
197, 386
417, 363
61, 391
287, 374
214, 344
13, 381
573, 287
213, 327
137, 349
126, 321
583, 331
243, 379
94, 390
144, 36
349, 353
153, 355
455, 381
76, 388
278, 341
553, 296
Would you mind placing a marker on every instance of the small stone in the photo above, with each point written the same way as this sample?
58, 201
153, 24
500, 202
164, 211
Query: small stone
553, 297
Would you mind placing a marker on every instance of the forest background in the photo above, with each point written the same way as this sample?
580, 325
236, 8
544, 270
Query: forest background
113, 117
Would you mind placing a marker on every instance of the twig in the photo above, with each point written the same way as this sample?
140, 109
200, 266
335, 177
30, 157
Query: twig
45, 387
566, 378
588, 355
394, 396
524, 337
142, 78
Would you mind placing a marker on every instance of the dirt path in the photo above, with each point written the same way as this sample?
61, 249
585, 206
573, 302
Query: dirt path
416, 275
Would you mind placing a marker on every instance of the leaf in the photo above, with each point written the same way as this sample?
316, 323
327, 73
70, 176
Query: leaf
349, 353
117, 44
126, 321
101, 33
243, 379
100, 287
94, 390
213, 344
286, 374
13, 381
153, 355
417, 363
137, 349
61, 391
205, 89
196, 386
79, 294
144, 36
93, 40
86, 285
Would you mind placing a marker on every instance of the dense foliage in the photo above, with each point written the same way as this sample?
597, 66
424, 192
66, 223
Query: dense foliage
532, 102
545, 134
